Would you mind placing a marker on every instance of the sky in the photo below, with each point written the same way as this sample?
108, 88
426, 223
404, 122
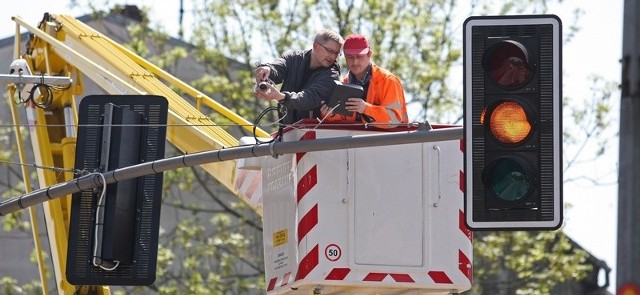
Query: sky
596, 49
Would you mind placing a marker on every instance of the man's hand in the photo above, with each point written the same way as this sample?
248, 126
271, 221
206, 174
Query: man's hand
325, 110
355, 104
262, 73
271, 93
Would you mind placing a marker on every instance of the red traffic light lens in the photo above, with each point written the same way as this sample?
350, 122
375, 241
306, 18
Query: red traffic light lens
509, 178
509, 122
507, 63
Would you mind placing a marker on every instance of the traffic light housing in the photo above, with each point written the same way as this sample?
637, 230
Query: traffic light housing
512, 122
114, 229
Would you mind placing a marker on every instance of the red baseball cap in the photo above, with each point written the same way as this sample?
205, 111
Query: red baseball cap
356, 44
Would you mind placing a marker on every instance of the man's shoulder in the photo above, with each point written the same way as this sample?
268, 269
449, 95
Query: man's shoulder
296, 53
380, 72
332, 72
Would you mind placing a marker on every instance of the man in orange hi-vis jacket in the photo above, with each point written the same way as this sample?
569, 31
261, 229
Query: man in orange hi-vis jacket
384, 105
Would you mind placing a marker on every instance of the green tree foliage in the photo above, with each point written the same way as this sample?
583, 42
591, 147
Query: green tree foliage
525, 262
588, 126
210, 242
414, 39
16, 224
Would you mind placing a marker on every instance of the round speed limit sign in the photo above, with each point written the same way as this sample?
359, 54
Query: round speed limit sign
333, 252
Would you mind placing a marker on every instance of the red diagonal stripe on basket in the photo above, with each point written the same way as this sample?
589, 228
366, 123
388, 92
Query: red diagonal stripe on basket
463, 227
307, 182
338, 274
307, 222
462, 145
285, 280
439, 277
374, 277
465, 265
240, 180
461, 181
307, 136
272, 284
402, 278
307, 264
253, 186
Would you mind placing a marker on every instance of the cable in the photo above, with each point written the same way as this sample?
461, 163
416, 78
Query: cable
326, 116
46, 93
97, 261
262, 114
36, 166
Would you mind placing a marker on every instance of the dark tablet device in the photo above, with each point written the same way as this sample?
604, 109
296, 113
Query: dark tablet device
340, 94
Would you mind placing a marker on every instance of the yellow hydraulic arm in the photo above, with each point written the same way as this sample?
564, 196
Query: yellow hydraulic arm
65, 46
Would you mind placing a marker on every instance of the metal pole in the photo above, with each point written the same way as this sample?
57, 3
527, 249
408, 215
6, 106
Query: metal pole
34, 79
628, 260
274, 149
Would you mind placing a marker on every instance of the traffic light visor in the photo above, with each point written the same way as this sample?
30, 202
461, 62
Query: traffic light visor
508, 123
508, 64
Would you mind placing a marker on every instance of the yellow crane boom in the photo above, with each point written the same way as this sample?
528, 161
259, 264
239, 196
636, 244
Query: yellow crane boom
64, 46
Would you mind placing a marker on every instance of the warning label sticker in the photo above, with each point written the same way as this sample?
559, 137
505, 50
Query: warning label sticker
280, 237
280, 259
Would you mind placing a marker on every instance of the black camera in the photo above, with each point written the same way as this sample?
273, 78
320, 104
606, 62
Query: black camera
263, 86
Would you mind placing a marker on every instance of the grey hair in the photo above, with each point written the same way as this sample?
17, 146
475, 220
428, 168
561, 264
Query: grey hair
325, 35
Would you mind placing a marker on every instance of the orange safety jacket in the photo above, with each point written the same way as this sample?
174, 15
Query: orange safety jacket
385, 100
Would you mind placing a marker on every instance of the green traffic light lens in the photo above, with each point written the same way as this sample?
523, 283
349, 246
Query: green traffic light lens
509, 179
508, 64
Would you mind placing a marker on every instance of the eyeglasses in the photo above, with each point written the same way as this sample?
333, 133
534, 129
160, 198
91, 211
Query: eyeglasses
331, 51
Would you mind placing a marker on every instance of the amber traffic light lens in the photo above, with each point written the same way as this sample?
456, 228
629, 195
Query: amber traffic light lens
507, 63
509, 123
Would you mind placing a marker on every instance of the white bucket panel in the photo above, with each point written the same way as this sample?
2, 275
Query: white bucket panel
388, 223
378, 220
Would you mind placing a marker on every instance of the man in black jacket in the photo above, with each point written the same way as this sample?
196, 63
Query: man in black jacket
307, 77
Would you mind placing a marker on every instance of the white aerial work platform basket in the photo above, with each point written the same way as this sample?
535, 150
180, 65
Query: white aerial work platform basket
374, 220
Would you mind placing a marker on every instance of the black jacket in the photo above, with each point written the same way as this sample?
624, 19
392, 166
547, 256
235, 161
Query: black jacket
304, 89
